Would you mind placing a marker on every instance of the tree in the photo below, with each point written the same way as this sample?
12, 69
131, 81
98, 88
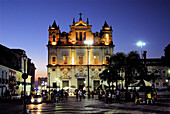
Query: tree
118, 62
133, 66
104, 75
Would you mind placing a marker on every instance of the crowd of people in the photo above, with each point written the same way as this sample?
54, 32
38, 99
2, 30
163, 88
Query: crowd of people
109, 96
150, 96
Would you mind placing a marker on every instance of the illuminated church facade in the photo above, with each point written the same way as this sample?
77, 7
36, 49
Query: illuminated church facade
70, 56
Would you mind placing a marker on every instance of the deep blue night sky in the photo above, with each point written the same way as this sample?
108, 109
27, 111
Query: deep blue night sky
24, 24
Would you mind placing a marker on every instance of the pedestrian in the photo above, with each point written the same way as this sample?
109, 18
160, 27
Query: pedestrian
106, 96
62, 94
92, 94
80, 94
117, 95
66, 95
84, 94
77, 94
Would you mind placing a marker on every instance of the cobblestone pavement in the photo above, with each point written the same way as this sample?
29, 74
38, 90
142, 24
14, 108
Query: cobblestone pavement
95, 106
86, 106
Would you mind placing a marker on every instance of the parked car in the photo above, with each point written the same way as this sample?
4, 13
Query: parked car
15, 96
36, 99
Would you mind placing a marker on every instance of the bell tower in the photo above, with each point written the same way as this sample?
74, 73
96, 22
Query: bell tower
54, 31
106, 34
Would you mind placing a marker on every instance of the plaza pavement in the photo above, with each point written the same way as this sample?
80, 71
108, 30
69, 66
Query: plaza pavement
88, 106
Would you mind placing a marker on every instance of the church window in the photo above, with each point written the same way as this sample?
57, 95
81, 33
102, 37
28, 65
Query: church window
53, 60
80, 36
80, 60
107, 37
54, 39
95, 59
76, 35
84, 35
65, 59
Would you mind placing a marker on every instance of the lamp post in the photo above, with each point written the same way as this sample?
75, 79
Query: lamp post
49, 82
56, 82
141, 44
88, 43
59, 84
24, 76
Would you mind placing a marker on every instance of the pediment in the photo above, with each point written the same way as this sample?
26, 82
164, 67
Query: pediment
80, 23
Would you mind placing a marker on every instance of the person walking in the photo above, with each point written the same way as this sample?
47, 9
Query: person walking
62, 94
92, 94
66, 95
117, 95
76, 94
80, 94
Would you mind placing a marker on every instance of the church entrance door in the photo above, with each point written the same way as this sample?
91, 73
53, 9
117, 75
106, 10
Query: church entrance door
80, 83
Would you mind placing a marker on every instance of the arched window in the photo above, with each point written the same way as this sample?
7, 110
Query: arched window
54, 39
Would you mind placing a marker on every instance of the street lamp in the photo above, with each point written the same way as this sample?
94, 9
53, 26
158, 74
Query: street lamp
140, 44
56, 82
59, 84
24, 76
49, 82
88, 43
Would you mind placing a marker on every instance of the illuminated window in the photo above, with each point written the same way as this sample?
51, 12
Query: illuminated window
80, 36
65, 59
95, 59
107, 37
80, 60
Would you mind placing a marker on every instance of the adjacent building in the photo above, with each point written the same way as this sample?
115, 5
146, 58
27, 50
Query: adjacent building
161, 79
42, 83
72, 54
12, 66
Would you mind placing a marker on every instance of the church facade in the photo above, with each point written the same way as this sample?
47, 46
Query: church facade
78, 55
